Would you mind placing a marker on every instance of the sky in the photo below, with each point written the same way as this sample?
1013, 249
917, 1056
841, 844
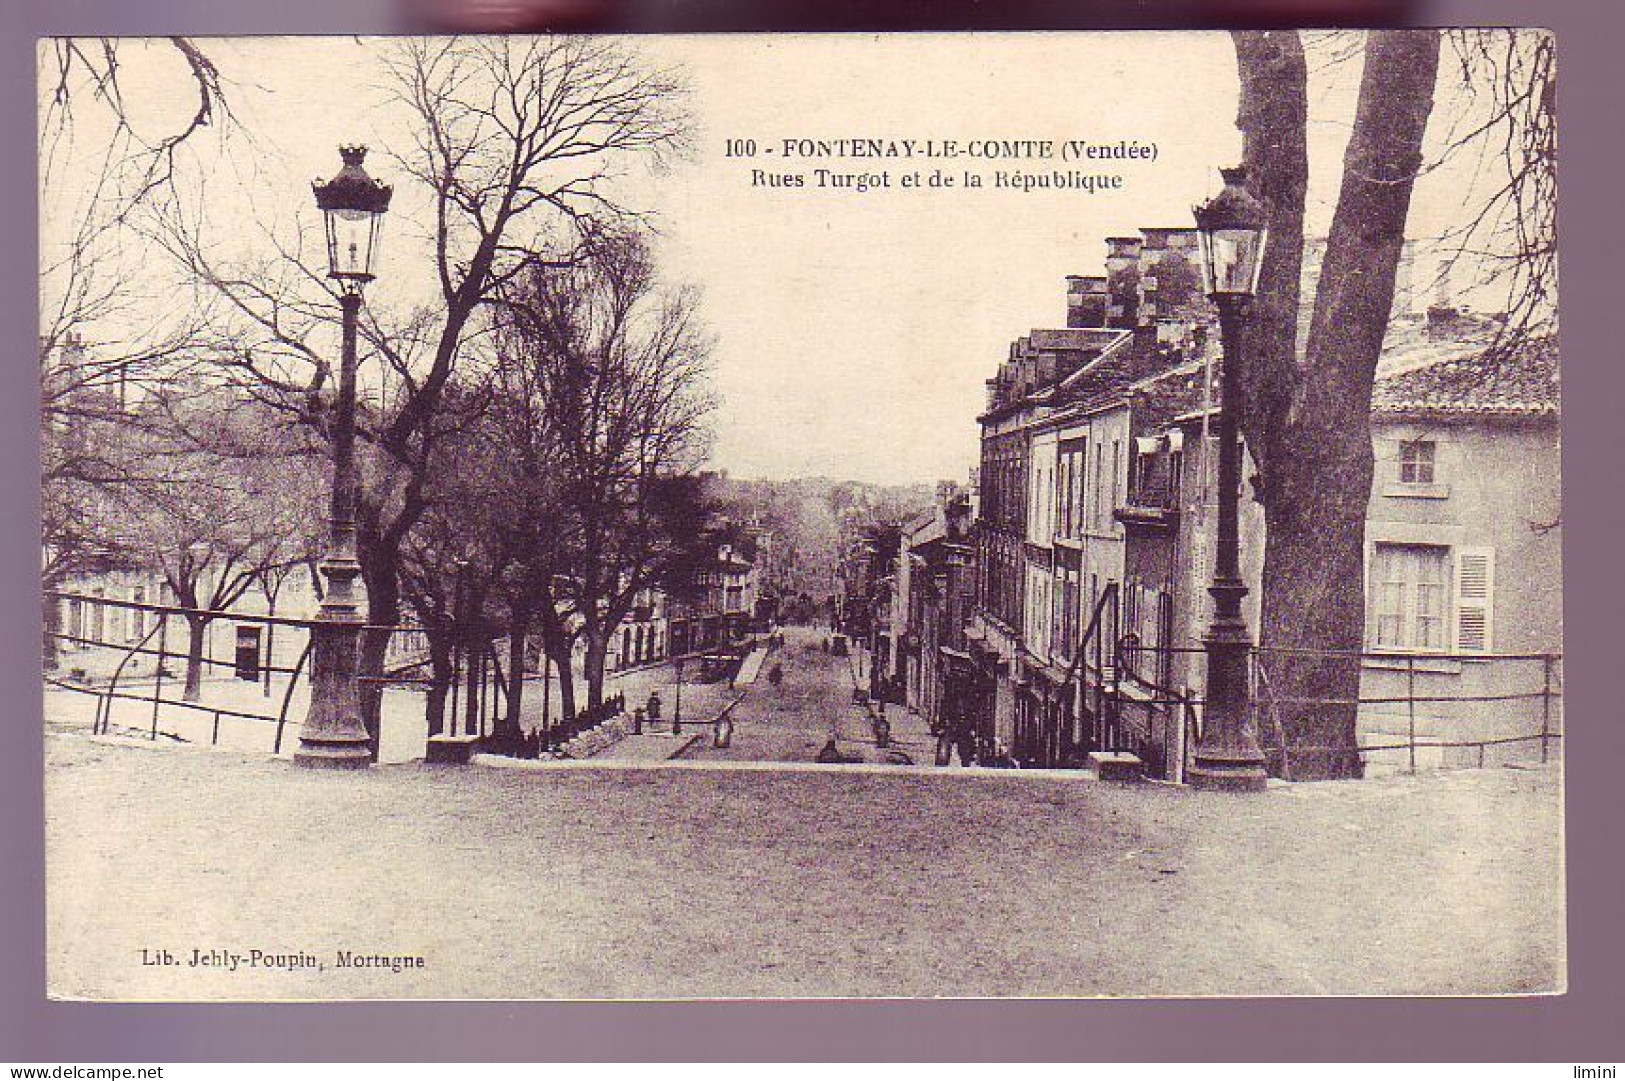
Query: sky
853, 331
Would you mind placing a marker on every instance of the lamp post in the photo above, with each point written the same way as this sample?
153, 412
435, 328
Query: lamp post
1232, 227
333, 734
677, 709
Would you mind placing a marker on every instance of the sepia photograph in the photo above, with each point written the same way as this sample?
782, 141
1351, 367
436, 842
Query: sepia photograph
997, 515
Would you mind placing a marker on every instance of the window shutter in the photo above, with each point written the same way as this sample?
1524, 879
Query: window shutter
1475, 599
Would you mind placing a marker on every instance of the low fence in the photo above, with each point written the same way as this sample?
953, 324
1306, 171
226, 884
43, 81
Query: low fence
127, 663
142, 682
1414, 711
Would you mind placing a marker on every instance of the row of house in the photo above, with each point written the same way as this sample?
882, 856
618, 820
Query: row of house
92, 629
1067, 615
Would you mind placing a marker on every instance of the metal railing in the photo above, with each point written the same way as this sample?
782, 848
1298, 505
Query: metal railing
136, 683
110, 670
1473, 709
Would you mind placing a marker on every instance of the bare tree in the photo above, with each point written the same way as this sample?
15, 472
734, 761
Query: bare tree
101, 167
102, 339
619, 367
222, 506
1508, 243
515, 140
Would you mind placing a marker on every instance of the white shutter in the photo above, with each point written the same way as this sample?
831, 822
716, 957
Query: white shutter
1475, 600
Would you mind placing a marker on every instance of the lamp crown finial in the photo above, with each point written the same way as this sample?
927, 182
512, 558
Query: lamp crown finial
354, 154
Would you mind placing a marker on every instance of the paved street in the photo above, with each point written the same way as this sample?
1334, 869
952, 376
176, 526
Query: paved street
698, 880
793, 721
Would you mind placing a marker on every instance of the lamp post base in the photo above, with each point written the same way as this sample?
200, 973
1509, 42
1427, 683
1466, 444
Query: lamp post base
345, 755
1227, 774
333, 735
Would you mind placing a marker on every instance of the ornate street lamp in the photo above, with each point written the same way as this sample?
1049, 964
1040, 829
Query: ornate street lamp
333, 734
1232, 226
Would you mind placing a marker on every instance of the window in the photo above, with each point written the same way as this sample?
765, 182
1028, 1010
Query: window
1100, 460
1063, 493
1070, 487
1116, 500
1080, 473
1410, 596
135, 627
1416, 461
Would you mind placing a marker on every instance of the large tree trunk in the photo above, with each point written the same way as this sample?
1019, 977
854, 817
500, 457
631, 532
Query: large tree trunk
51, 621
473, 684
195, 628
597, 654
560, 651
379, 570
518, 628
441, 673
1308, 424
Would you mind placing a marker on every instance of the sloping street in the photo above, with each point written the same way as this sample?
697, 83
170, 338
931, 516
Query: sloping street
794, 720
689, 880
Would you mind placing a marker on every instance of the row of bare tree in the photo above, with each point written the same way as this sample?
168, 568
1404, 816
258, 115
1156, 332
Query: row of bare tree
528, 434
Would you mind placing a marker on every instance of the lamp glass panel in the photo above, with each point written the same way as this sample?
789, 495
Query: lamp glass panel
1234, 257
350, 238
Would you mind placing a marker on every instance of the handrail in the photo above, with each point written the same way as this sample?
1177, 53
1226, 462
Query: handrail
215, 613
1109, 593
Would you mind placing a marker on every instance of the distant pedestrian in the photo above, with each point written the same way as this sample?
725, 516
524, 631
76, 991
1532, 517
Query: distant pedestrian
964, 739
775, 675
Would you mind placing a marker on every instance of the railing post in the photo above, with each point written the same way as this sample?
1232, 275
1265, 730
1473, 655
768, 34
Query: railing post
270, 654
456, 684
287, 696
487, 693
1410, 704
158, 675
214, 735
1545, 708
547, 698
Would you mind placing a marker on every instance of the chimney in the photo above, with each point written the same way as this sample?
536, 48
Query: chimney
1170, 285
1444, 322
1085, 301
1044, 370
1122, 281
1404, 281
73, 350
1443, 286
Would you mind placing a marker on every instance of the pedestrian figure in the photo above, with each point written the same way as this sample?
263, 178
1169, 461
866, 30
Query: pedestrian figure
654, 705
965, 740
775, 675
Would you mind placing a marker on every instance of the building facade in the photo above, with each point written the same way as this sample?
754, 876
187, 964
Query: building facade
1463, 555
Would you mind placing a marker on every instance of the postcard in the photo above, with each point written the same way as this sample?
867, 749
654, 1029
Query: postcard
1029, 515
